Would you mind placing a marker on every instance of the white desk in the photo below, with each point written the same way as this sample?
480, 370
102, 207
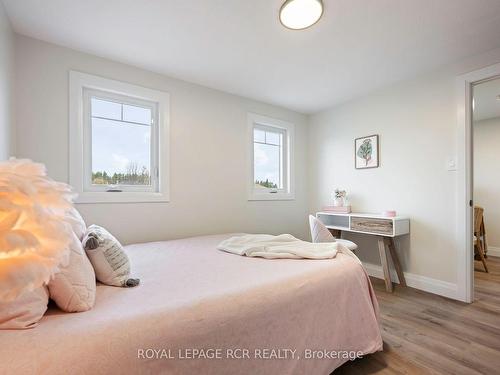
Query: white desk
385, 228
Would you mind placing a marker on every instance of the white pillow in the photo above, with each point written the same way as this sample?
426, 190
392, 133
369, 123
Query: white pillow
73, 288
319, 232
25, 311
111, 263
77, 223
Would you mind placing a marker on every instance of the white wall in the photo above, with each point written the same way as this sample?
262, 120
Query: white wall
208, 149
486, 176
417, 124
6, 94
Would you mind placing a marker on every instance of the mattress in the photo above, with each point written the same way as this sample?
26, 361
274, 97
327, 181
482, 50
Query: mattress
200, 310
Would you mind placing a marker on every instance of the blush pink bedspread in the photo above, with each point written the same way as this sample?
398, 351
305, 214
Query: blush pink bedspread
193, 296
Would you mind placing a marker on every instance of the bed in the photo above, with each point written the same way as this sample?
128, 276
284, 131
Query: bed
200, 310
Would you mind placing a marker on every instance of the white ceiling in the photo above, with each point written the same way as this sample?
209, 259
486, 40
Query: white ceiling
486, 105
239, 46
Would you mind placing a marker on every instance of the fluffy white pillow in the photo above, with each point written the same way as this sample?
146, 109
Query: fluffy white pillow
25, 311
111, 263
73, 288
320, 233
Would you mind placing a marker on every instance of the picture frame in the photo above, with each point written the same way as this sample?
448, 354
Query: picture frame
366, 152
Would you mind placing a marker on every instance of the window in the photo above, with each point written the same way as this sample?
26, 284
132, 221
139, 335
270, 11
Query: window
268, 163
271, 150
122, 137
118, 141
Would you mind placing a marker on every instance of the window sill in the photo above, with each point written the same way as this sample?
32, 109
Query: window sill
121, 197
271, 197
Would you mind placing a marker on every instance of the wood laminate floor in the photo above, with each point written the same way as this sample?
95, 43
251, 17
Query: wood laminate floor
428, 334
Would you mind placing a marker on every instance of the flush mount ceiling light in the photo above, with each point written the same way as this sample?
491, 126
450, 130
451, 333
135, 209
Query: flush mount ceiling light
300, 14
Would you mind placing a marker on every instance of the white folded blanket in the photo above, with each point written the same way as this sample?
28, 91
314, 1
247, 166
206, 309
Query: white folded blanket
282, 246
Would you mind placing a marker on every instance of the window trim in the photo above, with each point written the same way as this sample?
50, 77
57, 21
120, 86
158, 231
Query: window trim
80, 85
263, 194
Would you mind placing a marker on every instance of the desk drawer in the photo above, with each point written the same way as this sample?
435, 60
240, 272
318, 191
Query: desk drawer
377, 226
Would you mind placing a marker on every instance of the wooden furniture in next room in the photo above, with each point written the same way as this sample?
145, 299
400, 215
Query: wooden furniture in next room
385, 228
480, 235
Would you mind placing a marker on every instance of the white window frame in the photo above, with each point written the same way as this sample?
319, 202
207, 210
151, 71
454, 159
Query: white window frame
256, 121
81, 87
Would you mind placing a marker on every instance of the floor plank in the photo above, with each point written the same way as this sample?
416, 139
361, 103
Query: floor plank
428, 334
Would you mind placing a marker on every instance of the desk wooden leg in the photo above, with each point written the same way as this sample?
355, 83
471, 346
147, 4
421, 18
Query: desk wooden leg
385, 263
395, 261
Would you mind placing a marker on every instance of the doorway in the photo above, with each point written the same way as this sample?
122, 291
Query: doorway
486, 184
464, 195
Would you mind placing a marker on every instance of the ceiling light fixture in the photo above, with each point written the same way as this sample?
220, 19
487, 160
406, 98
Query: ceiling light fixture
300, 14
498, 97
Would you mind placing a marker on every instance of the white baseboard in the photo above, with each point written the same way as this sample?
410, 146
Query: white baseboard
424, 283
493, 251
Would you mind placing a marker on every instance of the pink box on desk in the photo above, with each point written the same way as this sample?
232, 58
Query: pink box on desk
338, 210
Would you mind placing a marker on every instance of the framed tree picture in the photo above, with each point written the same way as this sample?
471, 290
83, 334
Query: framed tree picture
366, 152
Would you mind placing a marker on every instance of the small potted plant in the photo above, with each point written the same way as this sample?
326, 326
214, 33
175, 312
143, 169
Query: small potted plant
339, 198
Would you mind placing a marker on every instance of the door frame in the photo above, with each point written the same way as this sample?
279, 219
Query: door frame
465, 271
